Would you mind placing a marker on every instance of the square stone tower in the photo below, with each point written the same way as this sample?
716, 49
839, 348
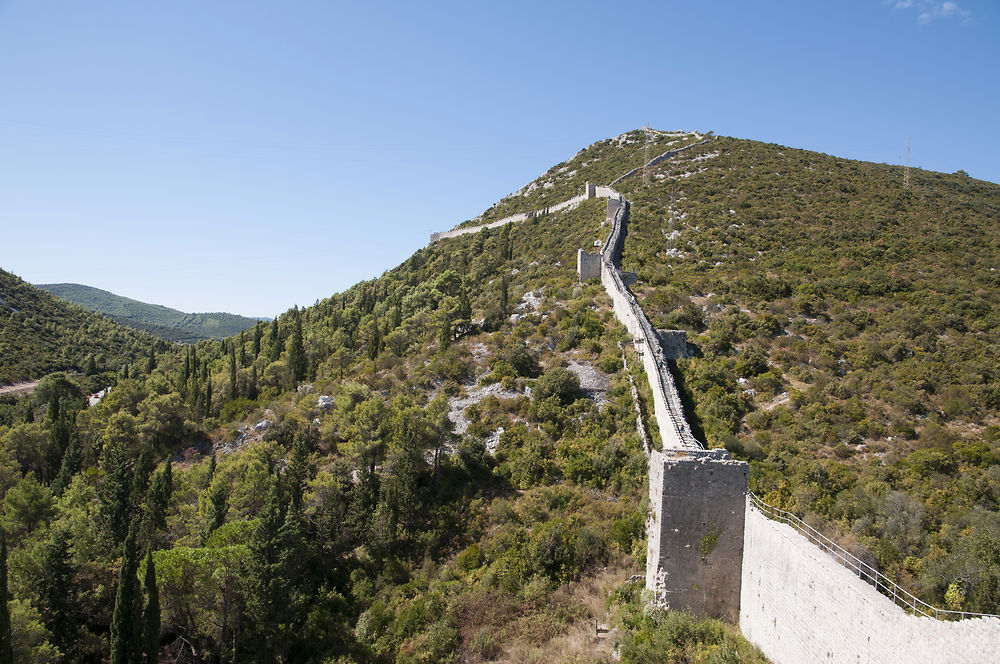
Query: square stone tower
694, 555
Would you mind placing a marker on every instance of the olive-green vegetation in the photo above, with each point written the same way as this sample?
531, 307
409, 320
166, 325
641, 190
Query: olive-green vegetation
850, 337
213, 507
155, 319
40, 334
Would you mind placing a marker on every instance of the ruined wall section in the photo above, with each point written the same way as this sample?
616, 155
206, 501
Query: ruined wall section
799, 604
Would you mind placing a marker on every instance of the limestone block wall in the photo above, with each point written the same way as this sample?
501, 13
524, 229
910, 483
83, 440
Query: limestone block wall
588, 266
515, 218
695, 532
675, 432
798, 604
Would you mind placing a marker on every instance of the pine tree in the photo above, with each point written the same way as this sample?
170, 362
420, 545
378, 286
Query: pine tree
151, 616
126, 642
6, 645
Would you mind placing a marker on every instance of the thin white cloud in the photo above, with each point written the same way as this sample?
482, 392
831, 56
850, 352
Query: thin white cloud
929, 10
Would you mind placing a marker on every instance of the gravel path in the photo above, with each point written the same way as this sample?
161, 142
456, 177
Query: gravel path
18, 388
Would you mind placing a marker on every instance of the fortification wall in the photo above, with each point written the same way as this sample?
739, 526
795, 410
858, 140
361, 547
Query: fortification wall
694, 546
674, 429
798, 604
588, 266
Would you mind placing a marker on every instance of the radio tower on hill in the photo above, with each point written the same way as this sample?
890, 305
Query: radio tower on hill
906, 173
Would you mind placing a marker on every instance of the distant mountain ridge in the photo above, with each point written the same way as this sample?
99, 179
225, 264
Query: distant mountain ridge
158, 320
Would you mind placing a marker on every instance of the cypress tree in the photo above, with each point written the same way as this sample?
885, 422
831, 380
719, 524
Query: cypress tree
444, 334
208, 398
151, 361
218, 506
116, 492
57, 590
6, 646
72, 461
275, 350
232, 374
375, 341
256, 340
151, 617
296, 351
243, 350
158, 500
125, 627
252, 392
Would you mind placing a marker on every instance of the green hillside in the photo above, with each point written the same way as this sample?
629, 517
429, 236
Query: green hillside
442, 464
40, 334
163, 322
863, 320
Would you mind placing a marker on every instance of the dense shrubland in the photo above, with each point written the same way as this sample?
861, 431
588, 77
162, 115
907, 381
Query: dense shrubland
849, 338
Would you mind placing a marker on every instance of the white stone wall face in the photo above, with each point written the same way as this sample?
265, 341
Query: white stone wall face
798, 604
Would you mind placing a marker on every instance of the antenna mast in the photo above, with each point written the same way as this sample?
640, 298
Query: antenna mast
906, 173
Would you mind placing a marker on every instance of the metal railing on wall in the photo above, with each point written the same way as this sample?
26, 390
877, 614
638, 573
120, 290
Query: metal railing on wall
900, 596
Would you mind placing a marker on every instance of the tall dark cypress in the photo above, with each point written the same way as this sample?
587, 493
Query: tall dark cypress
256, 340
72, 461
116, 492
151, 616
232, 374
243, 350
296, 351
58, 592
252, 391
6, 646
208, 398
126, 635
151, 361
276, 346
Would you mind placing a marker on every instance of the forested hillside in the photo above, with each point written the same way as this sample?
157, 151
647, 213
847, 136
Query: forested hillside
442, 464
40, 334
850, 331
155, 319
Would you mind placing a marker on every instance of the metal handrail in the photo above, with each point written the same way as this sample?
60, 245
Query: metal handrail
886, 586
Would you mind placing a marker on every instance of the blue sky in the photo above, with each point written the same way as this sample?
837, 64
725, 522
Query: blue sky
248, 156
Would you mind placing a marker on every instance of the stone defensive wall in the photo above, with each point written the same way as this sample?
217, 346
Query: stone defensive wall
799, 603
656, 160
515, 218
715, 549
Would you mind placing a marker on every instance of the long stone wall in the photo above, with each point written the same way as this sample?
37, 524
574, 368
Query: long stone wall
798, 604
710, 552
